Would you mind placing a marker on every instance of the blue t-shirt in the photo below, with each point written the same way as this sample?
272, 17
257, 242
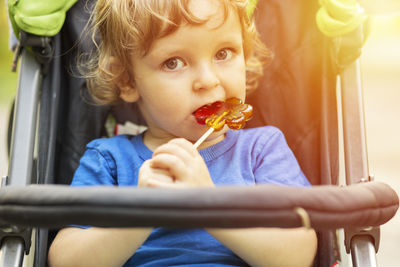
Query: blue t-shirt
244, 157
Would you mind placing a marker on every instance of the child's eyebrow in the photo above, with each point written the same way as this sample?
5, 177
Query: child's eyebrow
162, 52
163, 48
233, 40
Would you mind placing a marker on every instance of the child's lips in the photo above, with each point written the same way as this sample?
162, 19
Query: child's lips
205, 111
232, 112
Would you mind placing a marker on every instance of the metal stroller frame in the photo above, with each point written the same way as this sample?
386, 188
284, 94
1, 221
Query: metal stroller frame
16, 237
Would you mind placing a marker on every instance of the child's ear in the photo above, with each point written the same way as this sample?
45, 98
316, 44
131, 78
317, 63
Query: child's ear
128, 94
123, 81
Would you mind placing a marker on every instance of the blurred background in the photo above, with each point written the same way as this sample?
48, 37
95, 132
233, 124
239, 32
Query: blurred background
380, 64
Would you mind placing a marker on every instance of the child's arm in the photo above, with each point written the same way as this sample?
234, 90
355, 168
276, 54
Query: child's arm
95, 247
270, 246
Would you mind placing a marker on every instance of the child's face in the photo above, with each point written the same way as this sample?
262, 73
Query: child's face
187, 69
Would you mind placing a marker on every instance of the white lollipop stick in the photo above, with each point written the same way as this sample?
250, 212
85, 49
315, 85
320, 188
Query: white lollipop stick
203, 137
210, 130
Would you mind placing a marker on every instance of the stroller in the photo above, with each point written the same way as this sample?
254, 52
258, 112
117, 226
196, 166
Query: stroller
301, 101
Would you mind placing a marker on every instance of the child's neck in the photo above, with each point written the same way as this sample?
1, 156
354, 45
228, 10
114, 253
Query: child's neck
211, 142
152, 143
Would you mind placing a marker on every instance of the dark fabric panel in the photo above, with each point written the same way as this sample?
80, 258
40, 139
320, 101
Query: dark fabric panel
80, 120
68, 119
297, 91
297, 94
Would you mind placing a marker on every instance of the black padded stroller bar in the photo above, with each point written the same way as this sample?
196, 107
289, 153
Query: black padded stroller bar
360, 205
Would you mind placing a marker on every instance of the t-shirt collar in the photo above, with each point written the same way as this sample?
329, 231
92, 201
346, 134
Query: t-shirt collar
208, 153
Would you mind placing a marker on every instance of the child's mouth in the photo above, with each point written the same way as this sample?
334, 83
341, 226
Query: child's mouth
232, 112
203, 112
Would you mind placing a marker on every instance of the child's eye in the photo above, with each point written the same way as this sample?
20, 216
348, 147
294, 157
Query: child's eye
173, 64
224, 54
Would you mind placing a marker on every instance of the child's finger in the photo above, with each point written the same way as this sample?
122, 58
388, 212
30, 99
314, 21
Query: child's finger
173, 164
175, 150
185, 144
148, 176
156, 180
159, 183
180, 147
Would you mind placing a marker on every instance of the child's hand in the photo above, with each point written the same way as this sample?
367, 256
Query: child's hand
176, 164
151, 177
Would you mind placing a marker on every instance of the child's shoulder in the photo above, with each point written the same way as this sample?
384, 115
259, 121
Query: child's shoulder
269, 130
111, 143
256, 137
264, 133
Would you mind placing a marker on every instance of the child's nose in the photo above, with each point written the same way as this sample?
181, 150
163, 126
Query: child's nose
206, 78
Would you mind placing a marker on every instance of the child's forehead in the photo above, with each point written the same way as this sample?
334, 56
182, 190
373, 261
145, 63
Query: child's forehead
193, 44
209, 13
198, 12
206, 9
199, 38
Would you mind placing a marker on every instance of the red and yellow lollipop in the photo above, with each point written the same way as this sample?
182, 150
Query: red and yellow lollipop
233, 113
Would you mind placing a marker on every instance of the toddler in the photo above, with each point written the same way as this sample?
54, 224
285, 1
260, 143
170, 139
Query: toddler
172, 57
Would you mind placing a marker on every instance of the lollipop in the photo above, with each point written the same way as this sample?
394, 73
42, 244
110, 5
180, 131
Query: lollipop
233, 112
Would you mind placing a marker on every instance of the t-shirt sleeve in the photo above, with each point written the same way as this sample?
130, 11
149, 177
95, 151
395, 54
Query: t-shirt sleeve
276, 163
95, 168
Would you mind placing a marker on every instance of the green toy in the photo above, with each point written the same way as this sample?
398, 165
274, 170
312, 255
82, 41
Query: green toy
43, 18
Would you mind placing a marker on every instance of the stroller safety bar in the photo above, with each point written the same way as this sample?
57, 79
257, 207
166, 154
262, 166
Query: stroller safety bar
355, 206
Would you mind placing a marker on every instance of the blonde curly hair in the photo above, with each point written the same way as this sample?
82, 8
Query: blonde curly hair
122, 27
